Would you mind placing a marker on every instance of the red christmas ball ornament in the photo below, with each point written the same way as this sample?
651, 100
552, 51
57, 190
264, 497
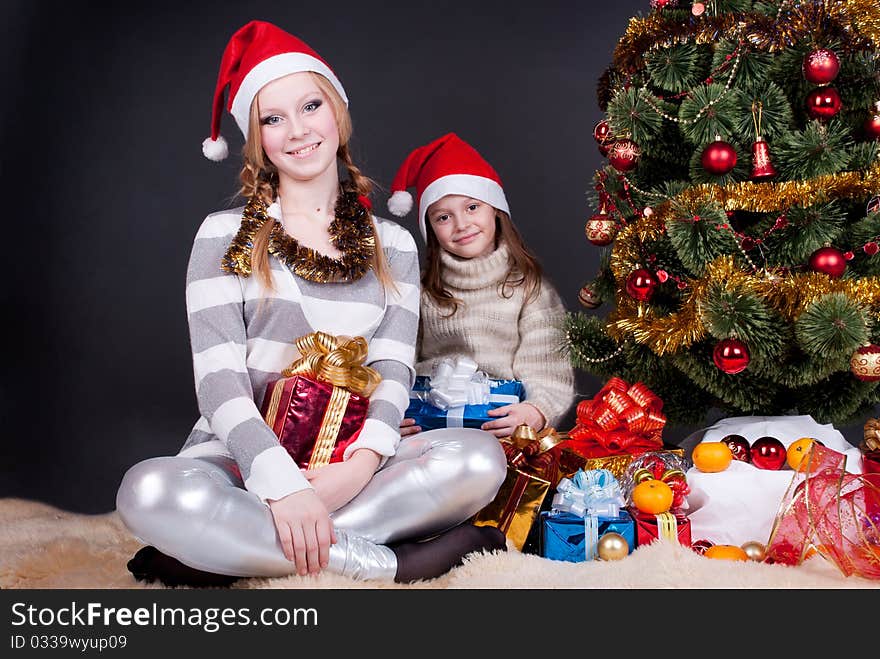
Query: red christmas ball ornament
768, 453
600, 229
624, 155
731, 356
700, 546
739, 446
865, 363
719, 157
829, 261
602, 135
872, 124
823, 103
821, 66
640, 284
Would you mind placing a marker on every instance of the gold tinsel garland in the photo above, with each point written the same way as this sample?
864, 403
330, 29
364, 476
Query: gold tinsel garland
854, 23
351, 232
789, 294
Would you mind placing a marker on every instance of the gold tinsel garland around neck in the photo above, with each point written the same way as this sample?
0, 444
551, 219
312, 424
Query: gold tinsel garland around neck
351, 232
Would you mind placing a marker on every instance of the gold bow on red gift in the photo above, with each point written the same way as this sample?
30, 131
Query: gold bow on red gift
622, 418
337, 360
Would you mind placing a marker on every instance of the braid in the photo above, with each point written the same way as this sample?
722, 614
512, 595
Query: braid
362, 184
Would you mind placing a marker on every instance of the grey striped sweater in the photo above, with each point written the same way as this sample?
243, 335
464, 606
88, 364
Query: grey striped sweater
242, 337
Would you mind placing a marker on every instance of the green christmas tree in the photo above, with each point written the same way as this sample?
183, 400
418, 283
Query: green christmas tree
739, 213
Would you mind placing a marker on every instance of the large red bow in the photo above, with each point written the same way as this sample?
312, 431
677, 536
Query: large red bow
620, 419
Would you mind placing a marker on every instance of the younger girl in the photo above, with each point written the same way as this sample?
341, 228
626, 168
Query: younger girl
483, 293
304, 255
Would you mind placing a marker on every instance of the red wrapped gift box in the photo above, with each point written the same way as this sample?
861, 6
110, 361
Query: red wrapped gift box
319, 404
672, 525
298, 409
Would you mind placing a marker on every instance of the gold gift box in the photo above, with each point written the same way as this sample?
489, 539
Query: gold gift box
516, 506
570, 461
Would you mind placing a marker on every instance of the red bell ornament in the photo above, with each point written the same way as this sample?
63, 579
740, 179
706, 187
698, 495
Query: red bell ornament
640, 284
865, 363
762, 167
602, 135
829, 261
624, 155
821, 66
823, 103
731, 356
719, 157
768, 453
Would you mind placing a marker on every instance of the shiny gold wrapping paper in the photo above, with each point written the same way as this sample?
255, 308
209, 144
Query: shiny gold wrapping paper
516, 506
570, 462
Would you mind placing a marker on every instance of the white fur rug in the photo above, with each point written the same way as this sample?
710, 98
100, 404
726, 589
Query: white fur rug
44, 547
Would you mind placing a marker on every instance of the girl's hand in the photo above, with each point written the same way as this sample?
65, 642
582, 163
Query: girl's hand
409, 427
305, 530
338, 483
510, 416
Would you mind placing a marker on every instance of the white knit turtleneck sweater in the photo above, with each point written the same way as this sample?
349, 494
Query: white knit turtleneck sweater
506, 337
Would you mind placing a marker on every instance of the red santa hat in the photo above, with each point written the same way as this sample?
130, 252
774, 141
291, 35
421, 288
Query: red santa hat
448, 165
257, 54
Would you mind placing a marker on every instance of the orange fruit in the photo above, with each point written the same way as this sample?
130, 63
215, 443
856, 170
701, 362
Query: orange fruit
727, 552
712, 456
652, 496
797, 451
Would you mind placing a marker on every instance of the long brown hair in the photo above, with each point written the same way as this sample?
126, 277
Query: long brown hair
524, 268
260, 177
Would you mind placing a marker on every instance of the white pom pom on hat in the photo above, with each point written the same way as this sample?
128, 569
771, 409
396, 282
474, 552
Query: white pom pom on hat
400, 203
448, 165
258, 53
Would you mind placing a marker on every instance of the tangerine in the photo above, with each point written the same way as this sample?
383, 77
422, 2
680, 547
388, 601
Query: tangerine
797, 451
727, 552
652, 496
711, 457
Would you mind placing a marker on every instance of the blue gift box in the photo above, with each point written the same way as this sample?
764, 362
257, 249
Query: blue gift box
564, 536
431, 417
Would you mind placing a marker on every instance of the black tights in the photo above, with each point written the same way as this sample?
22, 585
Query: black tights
427, 559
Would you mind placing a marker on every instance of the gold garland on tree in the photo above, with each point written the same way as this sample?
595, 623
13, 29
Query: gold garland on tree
789, 295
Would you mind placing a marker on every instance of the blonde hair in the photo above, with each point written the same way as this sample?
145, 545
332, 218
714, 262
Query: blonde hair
524, 268
259, 177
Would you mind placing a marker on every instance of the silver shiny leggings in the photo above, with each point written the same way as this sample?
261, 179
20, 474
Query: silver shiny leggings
197, 510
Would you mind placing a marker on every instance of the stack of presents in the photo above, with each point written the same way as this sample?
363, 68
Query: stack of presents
610, 484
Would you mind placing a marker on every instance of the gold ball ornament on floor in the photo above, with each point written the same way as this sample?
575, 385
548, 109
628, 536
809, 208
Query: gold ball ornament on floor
612, 547
755, 550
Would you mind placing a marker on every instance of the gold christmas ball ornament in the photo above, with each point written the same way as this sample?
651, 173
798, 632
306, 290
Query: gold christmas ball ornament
600, 229
612, 547
865, 363
755, 550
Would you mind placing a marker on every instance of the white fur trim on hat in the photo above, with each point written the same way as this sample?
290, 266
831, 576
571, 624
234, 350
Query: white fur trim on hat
271, 69
468, 185
400, 203
215, 150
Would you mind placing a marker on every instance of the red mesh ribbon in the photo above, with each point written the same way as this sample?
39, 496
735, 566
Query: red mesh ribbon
622, 418
831, 511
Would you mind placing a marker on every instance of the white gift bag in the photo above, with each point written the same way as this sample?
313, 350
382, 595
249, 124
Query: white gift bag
739, 504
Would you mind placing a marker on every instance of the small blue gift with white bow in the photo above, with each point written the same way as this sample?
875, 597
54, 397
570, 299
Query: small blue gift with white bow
457, 395
585, 507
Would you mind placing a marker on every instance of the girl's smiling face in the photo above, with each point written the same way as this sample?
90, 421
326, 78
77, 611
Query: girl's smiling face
463, 225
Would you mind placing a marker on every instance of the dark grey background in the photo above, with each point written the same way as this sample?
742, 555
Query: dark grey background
105, 107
